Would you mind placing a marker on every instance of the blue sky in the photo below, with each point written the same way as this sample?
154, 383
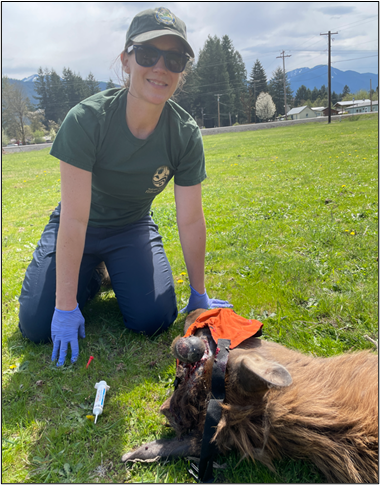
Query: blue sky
89, 36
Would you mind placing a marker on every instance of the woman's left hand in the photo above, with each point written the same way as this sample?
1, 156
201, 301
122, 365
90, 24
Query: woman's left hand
203, 301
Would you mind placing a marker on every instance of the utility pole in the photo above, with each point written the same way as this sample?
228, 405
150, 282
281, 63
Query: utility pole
329, 70
218, 95
283, 63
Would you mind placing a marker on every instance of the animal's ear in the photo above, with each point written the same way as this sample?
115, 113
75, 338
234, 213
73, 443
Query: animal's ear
252, 373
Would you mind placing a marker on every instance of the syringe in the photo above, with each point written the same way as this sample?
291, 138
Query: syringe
99, 399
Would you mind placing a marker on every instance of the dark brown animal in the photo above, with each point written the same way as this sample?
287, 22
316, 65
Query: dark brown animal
102, 271
278, 403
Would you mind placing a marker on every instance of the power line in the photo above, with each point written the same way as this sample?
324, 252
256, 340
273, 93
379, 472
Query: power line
356, 58
358, 22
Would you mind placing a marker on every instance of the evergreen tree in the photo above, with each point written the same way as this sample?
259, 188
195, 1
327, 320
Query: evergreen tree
187, 94
41, 90
74, 87
346, 90
68, 86
241, 89
110, 84
48, 111
257, 83
229, 57
213, 79
314, 94
92, 85
276, 90
237, 75
56, 98
301, 96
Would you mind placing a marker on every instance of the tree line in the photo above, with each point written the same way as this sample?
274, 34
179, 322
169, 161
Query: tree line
57, 95
217, 92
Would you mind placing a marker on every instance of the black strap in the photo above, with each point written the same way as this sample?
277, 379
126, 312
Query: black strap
214, 412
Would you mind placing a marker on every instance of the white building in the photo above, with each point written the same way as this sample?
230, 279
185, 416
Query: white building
359, 106
301, 113
319, 111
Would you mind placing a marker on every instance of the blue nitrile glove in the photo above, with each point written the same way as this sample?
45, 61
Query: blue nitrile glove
65, 327
203, 301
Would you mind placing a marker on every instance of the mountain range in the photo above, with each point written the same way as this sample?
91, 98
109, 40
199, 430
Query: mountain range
309, 77
318, 75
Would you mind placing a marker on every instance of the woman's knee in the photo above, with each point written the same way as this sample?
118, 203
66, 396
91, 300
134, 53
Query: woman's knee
35, 324
151, 320
37, 303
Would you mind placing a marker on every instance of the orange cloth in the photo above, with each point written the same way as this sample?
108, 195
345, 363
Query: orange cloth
225, 323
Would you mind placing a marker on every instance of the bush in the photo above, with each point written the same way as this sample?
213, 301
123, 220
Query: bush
4, 138
52, 134
38, 136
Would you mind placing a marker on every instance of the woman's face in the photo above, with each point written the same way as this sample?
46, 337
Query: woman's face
154, 84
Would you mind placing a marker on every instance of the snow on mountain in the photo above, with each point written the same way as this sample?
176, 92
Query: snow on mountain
318, 75
31, 78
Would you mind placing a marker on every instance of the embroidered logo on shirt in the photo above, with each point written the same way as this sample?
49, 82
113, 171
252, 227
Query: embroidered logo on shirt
164, 16
160, 179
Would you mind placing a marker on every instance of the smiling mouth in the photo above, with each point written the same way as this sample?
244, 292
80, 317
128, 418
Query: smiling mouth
157, 83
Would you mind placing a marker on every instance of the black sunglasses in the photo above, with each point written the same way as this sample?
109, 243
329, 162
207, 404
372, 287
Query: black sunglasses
148, 56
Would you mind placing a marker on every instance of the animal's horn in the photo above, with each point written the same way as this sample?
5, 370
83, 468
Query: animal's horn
189, 349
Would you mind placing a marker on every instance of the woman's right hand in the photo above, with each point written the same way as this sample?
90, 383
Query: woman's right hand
75, 210
65, 327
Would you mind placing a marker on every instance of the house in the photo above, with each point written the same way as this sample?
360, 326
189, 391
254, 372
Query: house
363, 107
301, 113
325, 111
359, 106
318, 111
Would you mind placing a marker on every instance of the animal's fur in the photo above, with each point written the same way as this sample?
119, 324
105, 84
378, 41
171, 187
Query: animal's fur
103, 274
329, 414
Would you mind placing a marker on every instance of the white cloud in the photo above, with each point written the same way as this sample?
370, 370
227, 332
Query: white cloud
88, 36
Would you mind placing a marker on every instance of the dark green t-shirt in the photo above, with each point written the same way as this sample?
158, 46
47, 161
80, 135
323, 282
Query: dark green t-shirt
127, 173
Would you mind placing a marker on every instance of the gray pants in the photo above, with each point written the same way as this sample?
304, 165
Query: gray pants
138, 267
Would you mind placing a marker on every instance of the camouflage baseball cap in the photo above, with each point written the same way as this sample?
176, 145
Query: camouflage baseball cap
153, 23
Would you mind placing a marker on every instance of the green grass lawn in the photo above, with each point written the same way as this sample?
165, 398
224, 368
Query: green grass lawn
292, 219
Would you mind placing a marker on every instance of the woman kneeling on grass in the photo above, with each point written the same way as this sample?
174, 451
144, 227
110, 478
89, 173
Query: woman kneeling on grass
118, 150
